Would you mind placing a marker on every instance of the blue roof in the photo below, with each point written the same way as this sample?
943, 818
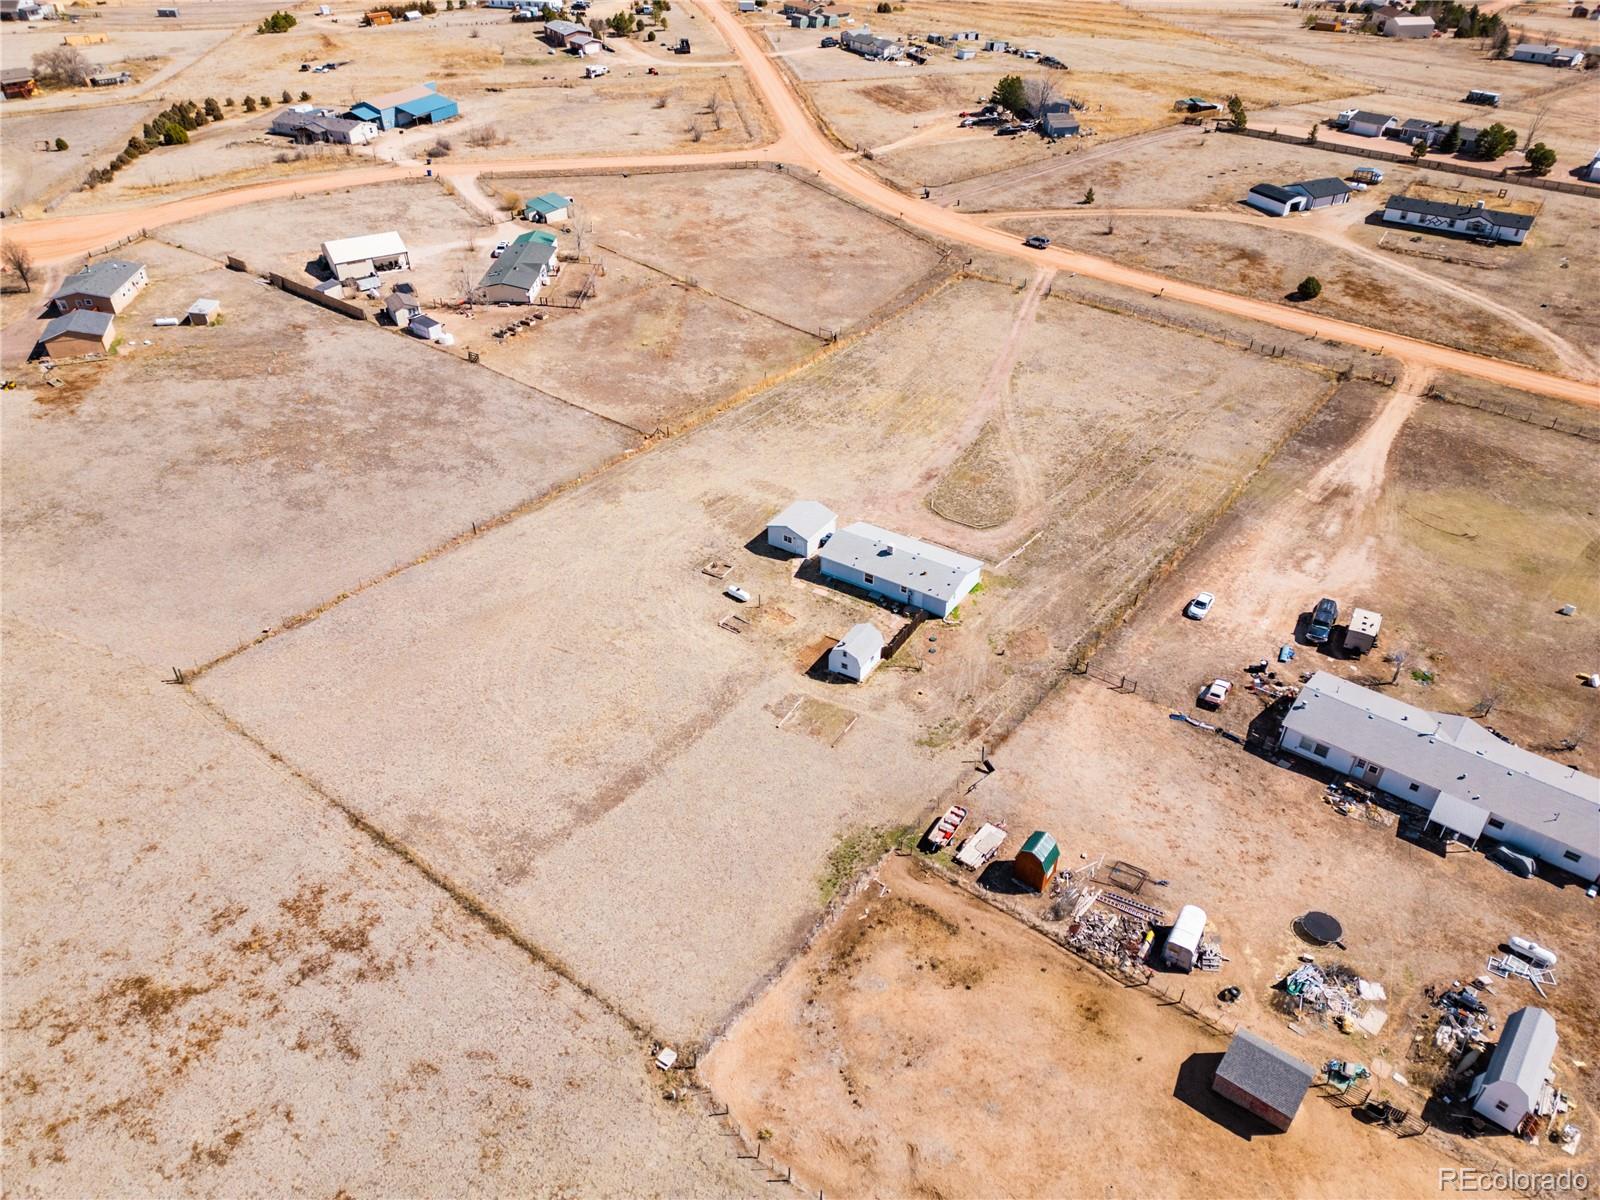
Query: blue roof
547, 203
424, 105
365, 111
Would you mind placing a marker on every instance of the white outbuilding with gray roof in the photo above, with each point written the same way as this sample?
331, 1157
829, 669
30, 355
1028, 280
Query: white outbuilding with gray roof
357, 257
857, 654
900, 568
802, 528
1469, 781
1512, 1086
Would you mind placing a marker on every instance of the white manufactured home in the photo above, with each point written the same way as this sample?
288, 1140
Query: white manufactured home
1475, 220
900, 568
1471, 784
802, 528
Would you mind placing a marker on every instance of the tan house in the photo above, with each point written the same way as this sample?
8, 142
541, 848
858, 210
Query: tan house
107, 286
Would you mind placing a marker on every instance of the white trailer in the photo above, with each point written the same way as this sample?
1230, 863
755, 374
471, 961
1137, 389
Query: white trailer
1361, 634
1183, 943
981, 847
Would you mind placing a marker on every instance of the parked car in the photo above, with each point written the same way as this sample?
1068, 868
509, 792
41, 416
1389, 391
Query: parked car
499, 249
1323, 618
1200, 607
1517, 864
1216, 692
738, 593
828, 43
1008, 130
1037, 242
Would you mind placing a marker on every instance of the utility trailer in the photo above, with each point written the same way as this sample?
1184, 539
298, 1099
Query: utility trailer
981, 847
1361, 634
943, 831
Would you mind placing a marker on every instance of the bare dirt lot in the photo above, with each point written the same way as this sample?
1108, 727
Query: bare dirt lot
271, 1002
93, 136
928, 1045
679, 737
177, 499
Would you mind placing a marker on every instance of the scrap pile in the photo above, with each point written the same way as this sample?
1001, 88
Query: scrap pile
1334, 992
1210, 958
1511, 965
1463, 1019
1106, 934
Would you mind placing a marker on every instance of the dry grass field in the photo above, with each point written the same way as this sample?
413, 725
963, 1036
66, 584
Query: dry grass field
1127, 67
1456, 524
728, 231
180, 498
930, 1046
93, 135
214, 984
676, 737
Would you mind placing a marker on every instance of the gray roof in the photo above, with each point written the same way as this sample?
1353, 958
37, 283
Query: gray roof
1318, 188
1370, 118
399, 302
1419, 125
895, 558
1258, 1068
1524, 1052
564, 29
808, 518
1538, 48
15, 74
1452, 754
520, 265
1459, 212
79, 320
1054, 122
102, 279
862, 641
1273, 192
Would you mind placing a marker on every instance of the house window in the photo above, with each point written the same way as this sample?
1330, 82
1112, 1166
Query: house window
903, 590
1501, 1107
1495, 823
869, 578
788, 539
1320, 750
1416, 787
1572, 856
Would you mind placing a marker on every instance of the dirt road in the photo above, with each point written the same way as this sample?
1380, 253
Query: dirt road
801, 143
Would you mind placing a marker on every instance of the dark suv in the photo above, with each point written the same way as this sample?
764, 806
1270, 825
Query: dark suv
1323, 618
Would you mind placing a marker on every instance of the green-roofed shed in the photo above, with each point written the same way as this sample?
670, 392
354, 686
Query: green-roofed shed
548, 208
1036, 861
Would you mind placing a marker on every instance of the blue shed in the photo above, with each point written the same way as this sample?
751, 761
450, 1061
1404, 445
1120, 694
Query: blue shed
426, 110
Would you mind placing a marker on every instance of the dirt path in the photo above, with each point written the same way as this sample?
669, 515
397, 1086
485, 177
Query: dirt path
1574, 359
802, 143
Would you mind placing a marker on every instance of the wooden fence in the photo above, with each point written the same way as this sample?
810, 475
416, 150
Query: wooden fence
343, 307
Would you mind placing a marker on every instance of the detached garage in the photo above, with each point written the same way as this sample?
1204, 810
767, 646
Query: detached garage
801, 528
1275, 201
79, 332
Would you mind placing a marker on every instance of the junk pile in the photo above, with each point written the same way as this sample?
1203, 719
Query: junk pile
1210, 958
1463, 1018
1106, 933
1511, 966
1334, 992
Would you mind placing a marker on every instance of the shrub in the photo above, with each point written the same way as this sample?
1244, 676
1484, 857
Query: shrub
305, 96
249, 105
1236, 112
1310, 288
278, 22
61, 143
1010, 94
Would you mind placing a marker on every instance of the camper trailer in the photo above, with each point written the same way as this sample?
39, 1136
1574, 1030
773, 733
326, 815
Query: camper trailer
1361, 634
1183, 943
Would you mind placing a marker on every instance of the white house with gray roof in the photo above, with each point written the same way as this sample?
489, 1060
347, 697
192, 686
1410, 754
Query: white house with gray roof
107, 286
1470, 782
856, 655
1475, 220
900, 568
1511, 1087
518, 275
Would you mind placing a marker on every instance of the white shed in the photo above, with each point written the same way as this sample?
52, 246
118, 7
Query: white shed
857, 654
1183, 943
1518, 1069
1275, 201
802, 527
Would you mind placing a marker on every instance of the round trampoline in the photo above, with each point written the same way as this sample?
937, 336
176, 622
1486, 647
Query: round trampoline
1319, 928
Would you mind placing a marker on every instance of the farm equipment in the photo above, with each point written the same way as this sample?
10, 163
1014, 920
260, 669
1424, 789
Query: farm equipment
1341, 1075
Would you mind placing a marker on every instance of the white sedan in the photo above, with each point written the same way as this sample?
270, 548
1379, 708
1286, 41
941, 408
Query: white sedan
1200, 606
1216, 693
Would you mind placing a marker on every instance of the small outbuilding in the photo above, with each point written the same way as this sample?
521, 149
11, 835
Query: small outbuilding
857, 654
1035, 863
802, 528
1368, 124
1321, 193
1262, 1079
76, 333
1408, 25
547, 209
1183, 943
203, 312
1510, 1089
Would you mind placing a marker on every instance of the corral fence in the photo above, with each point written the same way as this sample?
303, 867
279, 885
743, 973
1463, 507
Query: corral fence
1503, 175
118, 244
1114, 680
343, 307
1516, 413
